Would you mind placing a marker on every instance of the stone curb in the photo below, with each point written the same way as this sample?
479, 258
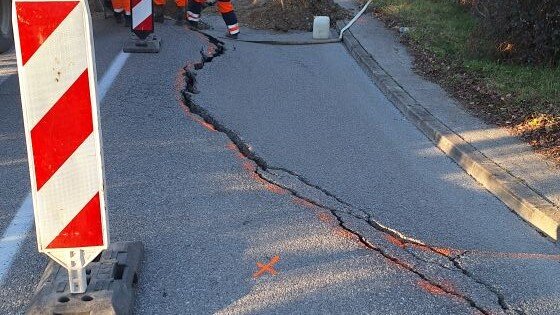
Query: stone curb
512, 191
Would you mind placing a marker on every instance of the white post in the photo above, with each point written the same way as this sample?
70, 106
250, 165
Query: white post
77, 273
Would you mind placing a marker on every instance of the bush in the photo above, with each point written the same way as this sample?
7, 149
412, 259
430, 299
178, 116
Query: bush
521, 31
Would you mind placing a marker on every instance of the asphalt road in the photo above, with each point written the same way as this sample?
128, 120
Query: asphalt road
365, 214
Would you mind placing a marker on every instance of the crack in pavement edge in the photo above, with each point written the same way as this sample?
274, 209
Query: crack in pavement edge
216, 48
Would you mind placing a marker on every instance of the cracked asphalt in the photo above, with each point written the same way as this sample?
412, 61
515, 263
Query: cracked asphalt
288, 151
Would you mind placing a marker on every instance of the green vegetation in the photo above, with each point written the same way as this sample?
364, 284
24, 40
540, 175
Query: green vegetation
450, 31
442, 28
526, 82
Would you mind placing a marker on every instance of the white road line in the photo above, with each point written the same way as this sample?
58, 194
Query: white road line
16, 233
111, 74
8, 65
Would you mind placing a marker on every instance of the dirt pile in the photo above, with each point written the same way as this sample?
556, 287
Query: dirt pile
285, 15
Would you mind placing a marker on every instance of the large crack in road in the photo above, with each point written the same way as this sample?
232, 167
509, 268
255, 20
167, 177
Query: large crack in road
435, 266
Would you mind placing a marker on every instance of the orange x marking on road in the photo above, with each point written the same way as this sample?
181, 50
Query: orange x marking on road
267, 268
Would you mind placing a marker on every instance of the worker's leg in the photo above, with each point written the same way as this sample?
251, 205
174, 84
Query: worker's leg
158, 10
118, 10
193, 11
180, 13
228, 14
127, 10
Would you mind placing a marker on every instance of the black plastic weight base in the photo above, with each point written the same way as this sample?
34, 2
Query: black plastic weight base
111, 282
151, 44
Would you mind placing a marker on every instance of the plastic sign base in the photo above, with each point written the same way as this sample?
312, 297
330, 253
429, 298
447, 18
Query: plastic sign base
111, 280
151, 44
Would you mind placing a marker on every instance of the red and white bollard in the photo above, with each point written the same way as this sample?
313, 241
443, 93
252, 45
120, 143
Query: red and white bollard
143, 27
57, 77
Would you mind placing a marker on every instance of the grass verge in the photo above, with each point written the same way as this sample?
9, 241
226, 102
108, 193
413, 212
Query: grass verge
444, 38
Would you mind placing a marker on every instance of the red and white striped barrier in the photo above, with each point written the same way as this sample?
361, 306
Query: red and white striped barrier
143, 26
57, 78
142, 18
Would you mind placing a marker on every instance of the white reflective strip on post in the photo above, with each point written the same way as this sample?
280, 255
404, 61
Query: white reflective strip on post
77, 273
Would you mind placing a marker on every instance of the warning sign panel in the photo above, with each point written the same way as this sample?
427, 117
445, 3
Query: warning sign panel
56, 68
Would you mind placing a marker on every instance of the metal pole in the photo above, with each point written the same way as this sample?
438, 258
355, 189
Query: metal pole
77, 273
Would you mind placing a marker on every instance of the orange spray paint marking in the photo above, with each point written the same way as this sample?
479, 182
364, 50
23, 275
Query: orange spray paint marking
445, 288
268, 186
232, 147
448, 286
430, 288
207, 126
267, 268
275, 189
395, 241
349, 235
304, 203
203, 123
345, 233
323, 216
326, 217
249, 167
447, 252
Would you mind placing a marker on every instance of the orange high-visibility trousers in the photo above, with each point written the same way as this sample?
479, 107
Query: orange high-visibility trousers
121, 5
225, 7
179, 3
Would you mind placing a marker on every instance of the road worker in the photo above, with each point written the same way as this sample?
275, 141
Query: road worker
179, 14
225, 7
120, 8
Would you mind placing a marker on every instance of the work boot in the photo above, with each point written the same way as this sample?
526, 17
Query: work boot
118, 17
158, 13
180, 16
127, 20
193, 25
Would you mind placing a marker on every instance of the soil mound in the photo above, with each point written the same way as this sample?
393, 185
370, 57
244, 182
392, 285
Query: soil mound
285, 15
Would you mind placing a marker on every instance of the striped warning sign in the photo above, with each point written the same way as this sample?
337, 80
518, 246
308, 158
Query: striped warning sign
142, 21
57, 78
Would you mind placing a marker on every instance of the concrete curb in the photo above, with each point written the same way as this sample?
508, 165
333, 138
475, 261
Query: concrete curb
512, 191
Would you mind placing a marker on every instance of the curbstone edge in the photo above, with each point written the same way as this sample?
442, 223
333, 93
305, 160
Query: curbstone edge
531, 206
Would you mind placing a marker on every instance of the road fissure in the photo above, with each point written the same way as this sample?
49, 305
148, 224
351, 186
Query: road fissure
265, 171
